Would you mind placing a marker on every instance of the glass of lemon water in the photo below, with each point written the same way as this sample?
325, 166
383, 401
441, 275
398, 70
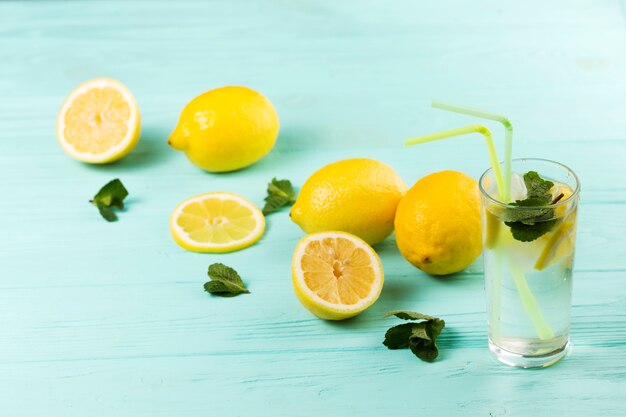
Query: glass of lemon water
528, 255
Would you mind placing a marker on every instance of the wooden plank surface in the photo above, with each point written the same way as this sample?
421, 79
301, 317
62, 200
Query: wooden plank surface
109, 320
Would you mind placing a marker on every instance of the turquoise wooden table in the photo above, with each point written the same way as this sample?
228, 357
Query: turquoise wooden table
102, 319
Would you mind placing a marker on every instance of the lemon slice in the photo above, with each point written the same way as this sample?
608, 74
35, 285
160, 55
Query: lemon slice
98, 122
567, 192
336, 275
561, 244
492, 229
216, 222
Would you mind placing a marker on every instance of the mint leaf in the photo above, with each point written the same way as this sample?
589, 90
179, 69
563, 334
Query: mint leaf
274, 203
528, 225
409, 315
537, 187
106, 212
529, 232
398, 336
111, 195
422, 344
527, 216
225, 281
421, 337
281, 187
224, 288
280, 193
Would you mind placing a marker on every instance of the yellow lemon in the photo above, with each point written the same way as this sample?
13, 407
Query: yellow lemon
358, 196
98, 122
438, 223
226, 129
336, 275
216, 222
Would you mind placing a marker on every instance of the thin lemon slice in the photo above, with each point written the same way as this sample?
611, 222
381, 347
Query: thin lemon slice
336, 275
567, 192
216, 222
99, 122
561, 244
492, 229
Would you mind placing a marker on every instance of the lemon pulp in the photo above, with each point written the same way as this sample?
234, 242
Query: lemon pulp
336, 275
216, 222
99, 122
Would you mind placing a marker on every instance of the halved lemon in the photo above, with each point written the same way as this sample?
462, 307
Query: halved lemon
336, 275
216, 222
99, 122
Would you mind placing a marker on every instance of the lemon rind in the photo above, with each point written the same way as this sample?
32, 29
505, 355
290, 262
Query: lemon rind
326, 306
181, 237
126, 144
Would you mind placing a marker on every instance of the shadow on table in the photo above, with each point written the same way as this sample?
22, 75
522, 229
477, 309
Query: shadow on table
152, 149
448, 339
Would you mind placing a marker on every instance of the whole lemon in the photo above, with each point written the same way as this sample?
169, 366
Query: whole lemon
226, 129
358, 196
438, 223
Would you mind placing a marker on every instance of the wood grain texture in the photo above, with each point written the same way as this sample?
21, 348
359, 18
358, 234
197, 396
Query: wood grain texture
109, 320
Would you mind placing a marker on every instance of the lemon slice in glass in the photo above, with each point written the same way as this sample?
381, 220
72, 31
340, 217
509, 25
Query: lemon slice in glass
560, 245
216, 222
99, 122
336, 275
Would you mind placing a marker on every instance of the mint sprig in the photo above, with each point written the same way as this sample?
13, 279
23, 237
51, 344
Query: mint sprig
420, 337
110, 196
538, 188
225, 281
528, 225
280, 193
529, 232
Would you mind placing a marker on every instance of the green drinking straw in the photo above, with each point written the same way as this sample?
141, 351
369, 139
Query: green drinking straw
508, 138
504, 187
543, 329
491, 148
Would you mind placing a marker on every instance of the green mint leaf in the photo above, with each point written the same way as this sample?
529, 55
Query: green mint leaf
537, 187
224, 288
274, 203
529, 232
281, 187
111, 195
280, 193
225, 281
530, 202
420, 337
435, 327
409, 315
421, 343
528, 225
106, 212
398, 336
527, 216
221, 272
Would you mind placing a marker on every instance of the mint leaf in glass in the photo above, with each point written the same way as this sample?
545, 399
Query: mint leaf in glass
529, 232
528, 225
537, 187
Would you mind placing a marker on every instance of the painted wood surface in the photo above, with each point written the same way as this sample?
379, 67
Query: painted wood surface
103, 319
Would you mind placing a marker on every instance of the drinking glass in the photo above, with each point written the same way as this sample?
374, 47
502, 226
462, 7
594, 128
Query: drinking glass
528, 260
